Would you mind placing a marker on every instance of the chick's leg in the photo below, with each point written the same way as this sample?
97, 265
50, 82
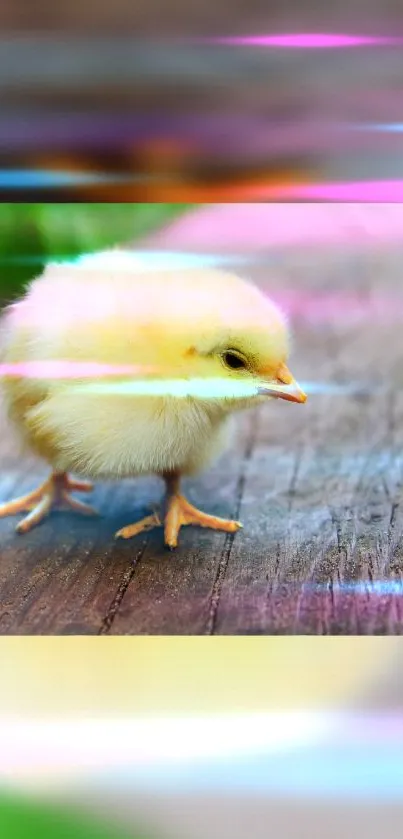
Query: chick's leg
179, 512
53, 493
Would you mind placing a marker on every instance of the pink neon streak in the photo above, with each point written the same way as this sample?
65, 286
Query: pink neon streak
68, 370
377, 191
360, 192
305, 41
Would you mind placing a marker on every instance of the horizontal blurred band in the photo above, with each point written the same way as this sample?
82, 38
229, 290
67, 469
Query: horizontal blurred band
315, 755
78, 676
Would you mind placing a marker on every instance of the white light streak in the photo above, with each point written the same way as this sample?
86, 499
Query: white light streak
35, 750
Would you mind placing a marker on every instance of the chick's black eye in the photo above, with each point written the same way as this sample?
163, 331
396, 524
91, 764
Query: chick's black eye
233, 361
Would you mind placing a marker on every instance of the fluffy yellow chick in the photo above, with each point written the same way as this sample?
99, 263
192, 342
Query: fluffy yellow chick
189, 347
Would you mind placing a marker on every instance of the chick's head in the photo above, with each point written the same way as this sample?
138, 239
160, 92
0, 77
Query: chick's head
228, 341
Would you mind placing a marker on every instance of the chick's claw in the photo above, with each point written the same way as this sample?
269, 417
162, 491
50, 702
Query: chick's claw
148, 523
53, 494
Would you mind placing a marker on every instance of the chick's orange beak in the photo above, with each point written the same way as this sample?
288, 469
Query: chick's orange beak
284, 387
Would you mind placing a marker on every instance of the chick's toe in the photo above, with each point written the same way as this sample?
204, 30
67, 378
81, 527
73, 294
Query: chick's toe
52, 494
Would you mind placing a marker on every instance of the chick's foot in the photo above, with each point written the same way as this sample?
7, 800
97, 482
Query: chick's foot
53, 494
179, 512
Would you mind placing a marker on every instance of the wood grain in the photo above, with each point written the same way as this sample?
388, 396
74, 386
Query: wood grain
318, 488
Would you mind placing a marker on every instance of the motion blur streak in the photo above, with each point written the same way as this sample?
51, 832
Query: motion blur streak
214, 388
306, 41
151, 260
364, 191
269, 189
164, 261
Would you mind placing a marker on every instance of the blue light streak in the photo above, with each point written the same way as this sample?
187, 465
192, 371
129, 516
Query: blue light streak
48, 179
388, 127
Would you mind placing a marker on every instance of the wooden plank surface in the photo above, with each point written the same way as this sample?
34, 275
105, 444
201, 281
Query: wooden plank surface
318, 489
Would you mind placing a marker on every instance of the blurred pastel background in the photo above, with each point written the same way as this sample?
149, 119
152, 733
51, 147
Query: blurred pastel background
200, 737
